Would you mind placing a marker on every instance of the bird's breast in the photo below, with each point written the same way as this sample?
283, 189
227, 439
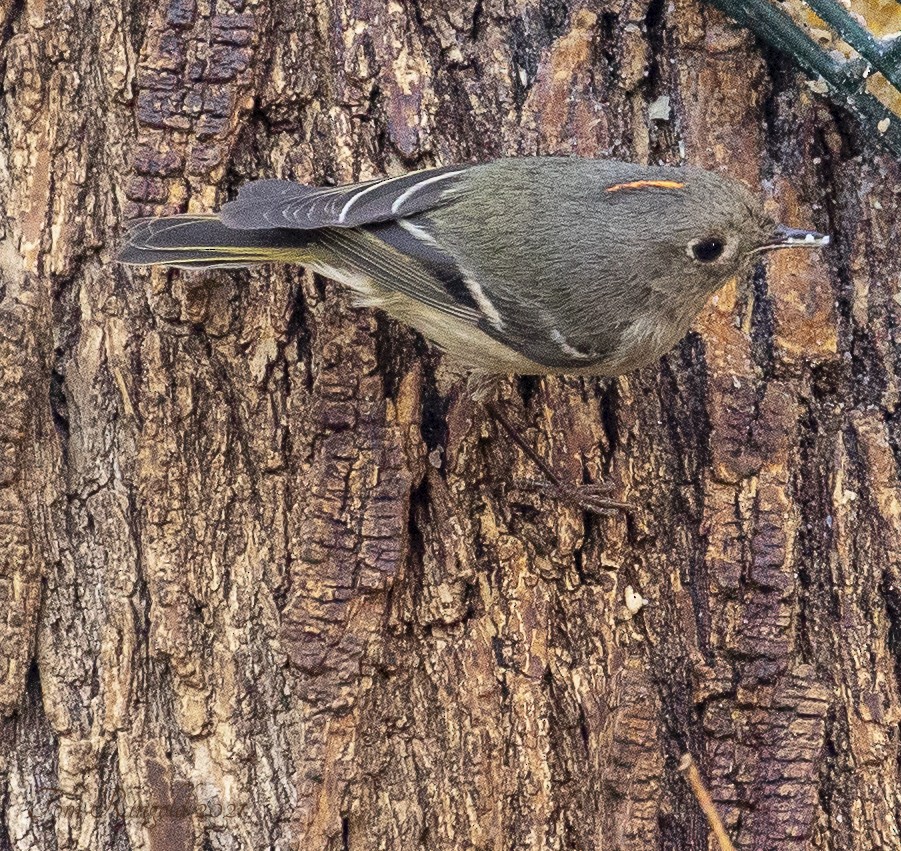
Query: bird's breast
642, 342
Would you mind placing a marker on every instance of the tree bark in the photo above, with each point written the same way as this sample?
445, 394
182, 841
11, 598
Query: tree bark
267, 581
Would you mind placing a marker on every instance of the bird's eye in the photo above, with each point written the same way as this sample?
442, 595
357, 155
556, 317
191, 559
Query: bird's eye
707, 250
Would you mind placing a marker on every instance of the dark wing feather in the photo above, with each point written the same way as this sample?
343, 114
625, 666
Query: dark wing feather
284, 204
411, 238
364, 253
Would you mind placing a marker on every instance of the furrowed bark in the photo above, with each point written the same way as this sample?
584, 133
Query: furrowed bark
267, 580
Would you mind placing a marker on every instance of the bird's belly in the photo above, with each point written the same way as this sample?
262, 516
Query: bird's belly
466, 343
641, 344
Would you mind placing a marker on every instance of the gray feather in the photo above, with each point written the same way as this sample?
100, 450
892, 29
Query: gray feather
285, 204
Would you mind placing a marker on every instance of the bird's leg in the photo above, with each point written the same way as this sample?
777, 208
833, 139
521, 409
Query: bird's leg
589, 497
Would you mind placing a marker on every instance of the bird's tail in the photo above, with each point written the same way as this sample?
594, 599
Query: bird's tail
203, 242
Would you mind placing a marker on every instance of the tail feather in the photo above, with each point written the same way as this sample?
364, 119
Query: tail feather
203, 242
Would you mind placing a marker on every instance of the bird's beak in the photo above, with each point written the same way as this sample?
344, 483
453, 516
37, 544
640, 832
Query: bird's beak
786, 237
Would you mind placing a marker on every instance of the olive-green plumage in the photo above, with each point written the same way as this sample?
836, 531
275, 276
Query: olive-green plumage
534, 265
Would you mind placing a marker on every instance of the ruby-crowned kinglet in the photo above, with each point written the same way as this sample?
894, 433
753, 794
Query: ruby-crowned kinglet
538, 265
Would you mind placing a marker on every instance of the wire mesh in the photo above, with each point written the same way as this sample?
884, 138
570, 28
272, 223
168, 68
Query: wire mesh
865, 76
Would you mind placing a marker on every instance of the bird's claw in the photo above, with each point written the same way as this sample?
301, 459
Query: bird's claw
593, 497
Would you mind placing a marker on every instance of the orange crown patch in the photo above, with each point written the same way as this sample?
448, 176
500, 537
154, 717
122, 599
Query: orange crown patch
646, 184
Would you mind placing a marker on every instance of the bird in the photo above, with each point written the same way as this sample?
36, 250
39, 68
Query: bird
520, 265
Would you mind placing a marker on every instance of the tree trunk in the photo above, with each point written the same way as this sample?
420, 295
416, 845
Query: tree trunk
267, 581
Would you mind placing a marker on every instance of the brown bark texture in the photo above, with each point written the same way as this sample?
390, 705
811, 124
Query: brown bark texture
267, 580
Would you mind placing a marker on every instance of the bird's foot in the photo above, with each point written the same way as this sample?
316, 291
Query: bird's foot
593, 497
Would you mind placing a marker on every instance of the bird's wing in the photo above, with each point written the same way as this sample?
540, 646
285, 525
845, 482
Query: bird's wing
381, 254
285, 204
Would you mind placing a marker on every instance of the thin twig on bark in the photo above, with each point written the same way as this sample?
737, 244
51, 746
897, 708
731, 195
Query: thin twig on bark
690, 771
